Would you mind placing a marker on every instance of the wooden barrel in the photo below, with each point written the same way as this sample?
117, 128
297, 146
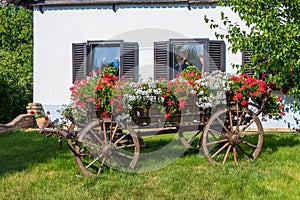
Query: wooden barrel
35, 107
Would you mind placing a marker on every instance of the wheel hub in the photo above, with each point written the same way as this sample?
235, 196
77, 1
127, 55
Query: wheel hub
108, 150
235, 139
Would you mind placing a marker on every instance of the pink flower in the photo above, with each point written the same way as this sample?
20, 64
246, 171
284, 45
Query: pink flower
244, 103
170, 102
84, 81
119, 96
182, 104
239, 95
105, 115
234, 78
167, 115
191, 82
92, 99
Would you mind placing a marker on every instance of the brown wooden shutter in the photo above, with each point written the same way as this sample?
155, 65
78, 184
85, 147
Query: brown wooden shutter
79, 61
216, 50
246, 59
162, 67
129, 60
246, 56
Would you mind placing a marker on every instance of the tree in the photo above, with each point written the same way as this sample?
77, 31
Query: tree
272, 37
15, 61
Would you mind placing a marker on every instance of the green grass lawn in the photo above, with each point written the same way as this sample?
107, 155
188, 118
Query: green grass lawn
33, 167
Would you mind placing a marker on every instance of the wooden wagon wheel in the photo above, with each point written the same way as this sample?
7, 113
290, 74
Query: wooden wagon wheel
190, 137
103, 143
232, 134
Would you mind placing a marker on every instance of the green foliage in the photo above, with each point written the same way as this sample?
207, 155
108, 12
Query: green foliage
273, 36
15, 61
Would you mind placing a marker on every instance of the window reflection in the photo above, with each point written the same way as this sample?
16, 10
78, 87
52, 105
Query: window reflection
188, 54
104, 56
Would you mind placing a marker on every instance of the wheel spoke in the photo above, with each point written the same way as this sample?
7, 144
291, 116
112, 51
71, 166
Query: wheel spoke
124, 155
239, 120
118, 161
101, 166
244, 153
249, 124
217, 152
249, 135
96, 136
237, 116
110, 165
234, 154
230, 121
193, 137
217, 142
90, 144
114, 132
215, 132
121, 138
125, 146
94, 161
249, 144
223, 126
104, 132
226, 155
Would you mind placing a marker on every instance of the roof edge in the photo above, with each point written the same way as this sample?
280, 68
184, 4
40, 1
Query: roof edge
106, 2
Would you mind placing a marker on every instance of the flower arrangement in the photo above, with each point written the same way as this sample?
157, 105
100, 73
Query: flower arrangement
274, 108
41, 118
244, 87
176, 95
96, 91
83, 92
40, 114
216, 83
169, 95
191, 74
104, 91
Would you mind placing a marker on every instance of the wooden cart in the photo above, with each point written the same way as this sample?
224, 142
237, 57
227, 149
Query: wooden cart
229, 132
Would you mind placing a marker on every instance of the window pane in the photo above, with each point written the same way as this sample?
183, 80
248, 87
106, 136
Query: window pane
188, 54
105, 56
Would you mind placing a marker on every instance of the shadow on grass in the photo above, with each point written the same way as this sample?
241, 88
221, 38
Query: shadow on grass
21, 150
271, 142
275, 141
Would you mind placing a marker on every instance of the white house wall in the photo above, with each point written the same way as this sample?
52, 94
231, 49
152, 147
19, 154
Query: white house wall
57, 28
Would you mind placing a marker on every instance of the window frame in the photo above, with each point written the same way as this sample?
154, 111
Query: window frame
214, 56
100, 43
188, 41
83, 55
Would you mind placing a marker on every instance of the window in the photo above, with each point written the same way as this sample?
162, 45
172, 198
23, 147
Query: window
105, 55
93, 55
171, 56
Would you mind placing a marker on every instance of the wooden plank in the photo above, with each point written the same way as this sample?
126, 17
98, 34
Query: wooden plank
274, 130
